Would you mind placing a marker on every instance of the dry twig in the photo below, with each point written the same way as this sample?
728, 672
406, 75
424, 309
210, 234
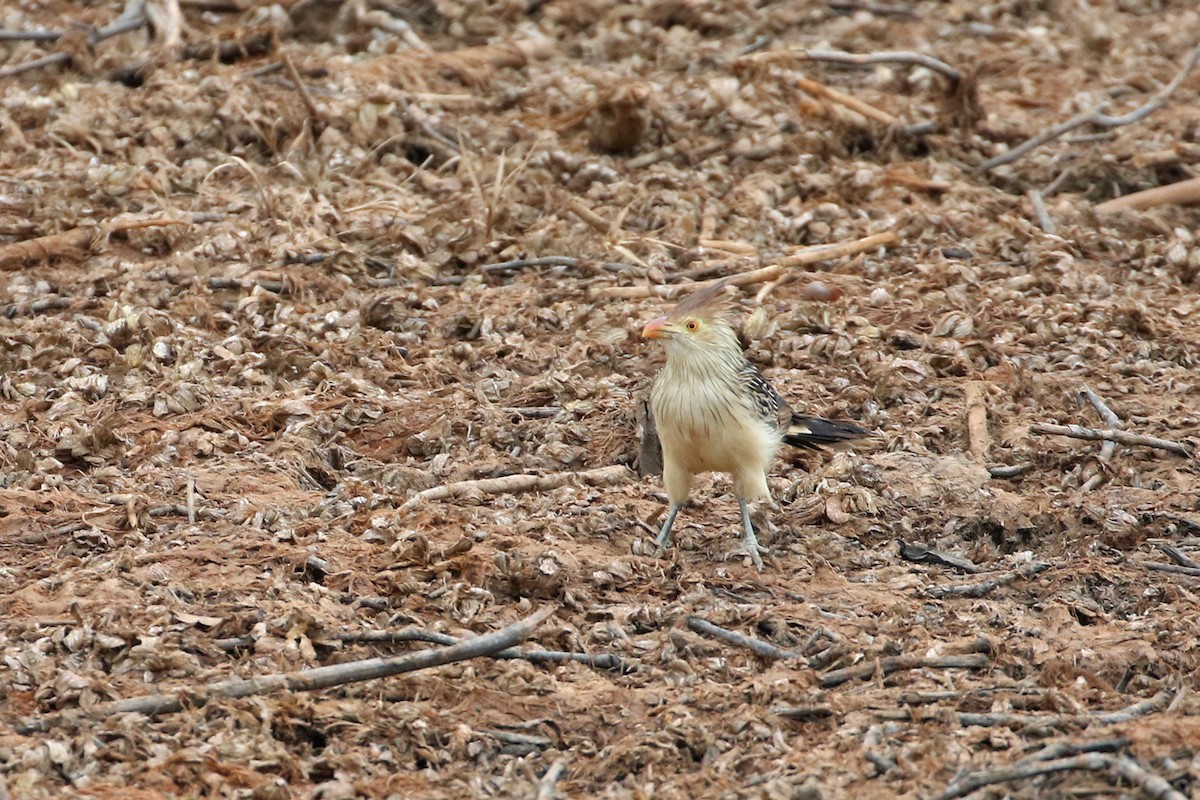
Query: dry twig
1121, 437
132, 18
886, 666
1009, 470
773, 274
980, 441
885, 57
546, 790
841, 98
1178, 556
514, 484
981, 588
84, 238
757, 646
309, 679
1121, 766
1099, 116
1181, 193
1040, 212
669, 291
551, 261
802, 712
1158, 702
1107, 415
298, 82
1178, 569
828, 252
598, 660
881, 9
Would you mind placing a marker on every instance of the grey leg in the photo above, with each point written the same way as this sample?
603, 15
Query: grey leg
749, 545
664, 538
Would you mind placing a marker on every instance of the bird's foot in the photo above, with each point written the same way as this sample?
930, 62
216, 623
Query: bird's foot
749, 548
660, 546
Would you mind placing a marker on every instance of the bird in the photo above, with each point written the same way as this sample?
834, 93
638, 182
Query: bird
713, 411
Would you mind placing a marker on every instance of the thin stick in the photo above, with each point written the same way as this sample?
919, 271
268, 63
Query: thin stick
1063, 749
1178, 556
822, 252
551, 261
979, 440
546, 790
82, 238
1040, 212
886, 666
1122, 437
757, 646
818, 253
885, 57
294, 74
802, 712
191, 500
30, 36
123, 24
1098, 116
1121, 766
168, 25
1152, 785
669, 291
1009, 470
969, 719
981, 588
1107, 415
37, 63
1181, 193
598, 660
1178, 569
594, 220
126, 22
1158, 702
874, 8
841, 98
308, 679
515, 484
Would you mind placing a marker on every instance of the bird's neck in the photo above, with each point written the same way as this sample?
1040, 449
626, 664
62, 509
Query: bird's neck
693, 364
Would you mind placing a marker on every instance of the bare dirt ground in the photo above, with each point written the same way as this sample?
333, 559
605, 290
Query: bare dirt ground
245, 324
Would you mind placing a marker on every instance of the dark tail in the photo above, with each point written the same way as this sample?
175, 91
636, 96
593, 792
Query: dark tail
814, 433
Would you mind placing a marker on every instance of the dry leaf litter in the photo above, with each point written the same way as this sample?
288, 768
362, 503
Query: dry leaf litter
251, 309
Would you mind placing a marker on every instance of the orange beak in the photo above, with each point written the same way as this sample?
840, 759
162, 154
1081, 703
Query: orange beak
655, 328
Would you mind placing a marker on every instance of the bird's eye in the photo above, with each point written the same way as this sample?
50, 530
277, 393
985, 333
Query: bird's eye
692, 325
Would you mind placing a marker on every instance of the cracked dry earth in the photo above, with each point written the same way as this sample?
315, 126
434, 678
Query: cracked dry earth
244, 325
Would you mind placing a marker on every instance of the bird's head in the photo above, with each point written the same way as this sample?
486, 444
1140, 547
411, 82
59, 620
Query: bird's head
697, 321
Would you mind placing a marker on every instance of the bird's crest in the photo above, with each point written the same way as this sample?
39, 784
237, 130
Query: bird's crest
711, 301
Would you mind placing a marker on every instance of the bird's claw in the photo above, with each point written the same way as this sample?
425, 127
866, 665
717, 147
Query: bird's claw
749, 548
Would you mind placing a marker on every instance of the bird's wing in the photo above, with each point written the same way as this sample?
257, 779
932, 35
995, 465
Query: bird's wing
768, 403
814, 432
798, 430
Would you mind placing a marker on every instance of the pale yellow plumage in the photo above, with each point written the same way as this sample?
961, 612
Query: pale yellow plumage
714, 412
